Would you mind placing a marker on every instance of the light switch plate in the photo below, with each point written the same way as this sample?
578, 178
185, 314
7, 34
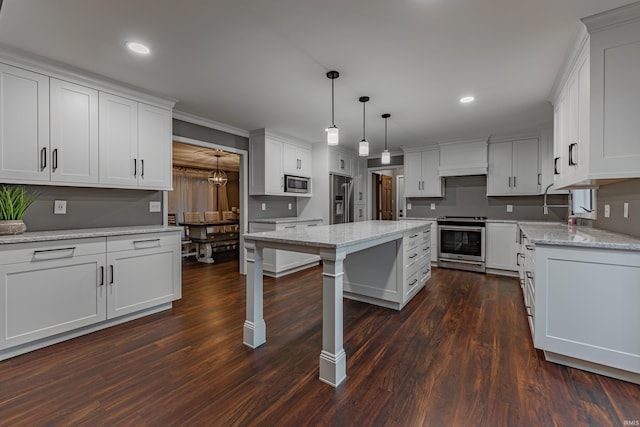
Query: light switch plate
607, 211
155, 206
264, 206
509, 208
290, 206
408, 206
433, 206
626, 210
60, 207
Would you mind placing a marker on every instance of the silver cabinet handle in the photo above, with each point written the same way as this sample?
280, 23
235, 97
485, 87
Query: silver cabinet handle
312, 225
555, 166
509, 182
54, 161
46, 254
413, 282
135, 167
43, 158
111, 271
143, 244
572, 162
514, 182
413, 256
142, 167
101, 276
290, 226
539, 176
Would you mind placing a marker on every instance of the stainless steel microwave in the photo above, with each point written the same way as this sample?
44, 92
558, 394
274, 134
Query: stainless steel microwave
297, 184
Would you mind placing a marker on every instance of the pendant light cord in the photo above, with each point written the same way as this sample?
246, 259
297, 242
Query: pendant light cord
385, 133
363, 114
332, 105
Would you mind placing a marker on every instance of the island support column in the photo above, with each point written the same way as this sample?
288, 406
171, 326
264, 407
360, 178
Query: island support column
255, 330
333, 359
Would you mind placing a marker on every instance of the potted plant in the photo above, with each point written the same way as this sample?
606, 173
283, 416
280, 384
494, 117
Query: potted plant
14, 201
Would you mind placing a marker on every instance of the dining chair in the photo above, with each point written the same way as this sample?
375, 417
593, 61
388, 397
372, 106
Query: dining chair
229, 215
191, 216
212, 216
188, 247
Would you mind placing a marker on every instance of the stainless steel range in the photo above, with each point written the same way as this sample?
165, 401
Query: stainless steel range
462, 243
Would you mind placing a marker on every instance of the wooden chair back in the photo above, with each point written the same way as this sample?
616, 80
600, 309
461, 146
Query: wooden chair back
229, 215
212, 216
171, 219
191, 216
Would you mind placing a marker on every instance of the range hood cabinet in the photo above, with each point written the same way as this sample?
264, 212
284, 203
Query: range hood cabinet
463, 158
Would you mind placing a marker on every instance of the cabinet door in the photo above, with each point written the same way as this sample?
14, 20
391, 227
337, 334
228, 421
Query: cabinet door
290, 160
74, 133
413, 174
431, 180
43, 298
500, 177
525, 167
274, 177
154, 147
306, 161
118, 138
24, 125
360, 183
502, 246
141, 278
571, 148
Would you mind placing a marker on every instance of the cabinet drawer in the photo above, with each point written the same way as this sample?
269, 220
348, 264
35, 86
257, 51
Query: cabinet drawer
425, 236
411, 239
142, 241
411, 256
43, 251
411, 280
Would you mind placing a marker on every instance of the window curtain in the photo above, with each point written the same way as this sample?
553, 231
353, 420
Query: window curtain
193, 193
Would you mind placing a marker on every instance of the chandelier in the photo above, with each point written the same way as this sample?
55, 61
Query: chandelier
217, 177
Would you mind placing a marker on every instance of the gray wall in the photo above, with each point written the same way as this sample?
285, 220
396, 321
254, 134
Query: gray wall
615, 195
467, 196
91, 208
276, 207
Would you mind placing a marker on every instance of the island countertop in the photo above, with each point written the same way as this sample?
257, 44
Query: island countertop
336, 235
564, 235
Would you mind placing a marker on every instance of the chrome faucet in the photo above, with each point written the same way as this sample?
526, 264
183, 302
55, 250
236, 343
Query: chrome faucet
545, 207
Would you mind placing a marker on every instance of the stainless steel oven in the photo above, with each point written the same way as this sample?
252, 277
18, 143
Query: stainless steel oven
462, 243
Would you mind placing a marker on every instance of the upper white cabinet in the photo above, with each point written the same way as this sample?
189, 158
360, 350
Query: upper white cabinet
271, 157
513, 168
55, 131
360, 182
296, 160
597, 102
421, 178
74, 133
341, 161
24, 125
135, 143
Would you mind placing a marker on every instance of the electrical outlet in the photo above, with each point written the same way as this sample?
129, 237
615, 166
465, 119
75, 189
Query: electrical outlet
607, 211
264, 206
290, 206
155, 206
626, 210
408, 206
509, 208
60, 207
433, 206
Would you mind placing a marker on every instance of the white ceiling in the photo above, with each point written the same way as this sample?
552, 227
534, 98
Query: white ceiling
263, 63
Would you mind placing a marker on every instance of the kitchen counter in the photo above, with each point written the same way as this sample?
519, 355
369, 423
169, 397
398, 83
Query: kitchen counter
564, 235
43, 236
285, 220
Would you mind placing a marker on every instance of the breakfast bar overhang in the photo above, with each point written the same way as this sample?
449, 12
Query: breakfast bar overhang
372, 240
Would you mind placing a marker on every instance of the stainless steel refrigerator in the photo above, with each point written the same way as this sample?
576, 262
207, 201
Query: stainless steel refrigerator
341, 196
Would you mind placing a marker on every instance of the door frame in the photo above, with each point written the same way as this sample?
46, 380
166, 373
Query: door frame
243, 185
370, 198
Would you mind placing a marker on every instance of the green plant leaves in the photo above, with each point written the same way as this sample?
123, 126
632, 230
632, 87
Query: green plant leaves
14, 201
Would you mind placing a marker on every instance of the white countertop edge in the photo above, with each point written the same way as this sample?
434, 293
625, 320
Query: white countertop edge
43, 236
284, 220
559, 234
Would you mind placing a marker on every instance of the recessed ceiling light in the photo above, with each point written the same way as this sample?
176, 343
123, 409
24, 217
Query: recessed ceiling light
466, 99
138, 48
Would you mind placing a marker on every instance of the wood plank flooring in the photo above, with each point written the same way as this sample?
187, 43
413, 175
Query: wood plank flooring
459, 354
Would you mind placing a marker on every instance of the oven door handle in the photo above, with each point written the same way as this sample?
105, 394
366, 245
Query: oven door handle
460, 228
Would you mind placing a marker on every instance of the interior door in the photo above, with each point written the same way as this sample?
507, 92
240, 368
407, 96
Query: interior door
387, 198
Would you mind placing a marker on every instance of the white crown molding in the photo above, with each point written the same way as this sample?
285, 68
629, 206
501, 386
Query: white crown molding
580, 43
59, 70
612, 18
211, 124
514, 136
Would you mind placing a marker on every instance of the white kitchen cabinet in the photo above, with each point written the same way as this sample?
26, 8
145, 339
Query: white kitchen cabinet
341, 162
143, 271
421, 177
547, 155
271, 156
360, 182
50, 288
513, 168
277, 263
74, 133
297, 160
135, 144
502, 245
24, 125
359, 212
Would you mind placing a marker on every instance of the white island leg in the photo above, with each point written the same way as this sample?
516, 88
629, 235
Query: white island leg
333, 359
255, 330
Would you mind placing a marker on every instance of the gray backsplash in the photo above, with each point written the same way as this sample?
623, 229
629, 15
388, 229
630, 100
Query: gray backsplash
276, 207
91, 207
467, 196
615, 195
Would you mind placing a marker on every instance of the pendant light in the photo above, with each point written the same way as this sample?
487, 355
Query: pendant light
363, 147
218, 177
386, 156
332, 131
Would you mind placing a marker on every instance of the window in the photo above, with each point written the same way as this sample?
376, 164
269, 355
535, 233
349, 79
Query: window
584, 203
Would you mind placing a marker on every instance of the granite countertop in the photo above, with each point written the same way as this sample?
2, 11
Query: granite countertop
418, 219
564, 235
43, 236
336, 235
284, 220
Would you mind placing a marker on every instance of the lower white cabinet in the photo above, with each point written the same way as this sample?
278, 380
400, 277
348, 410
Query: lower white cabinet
54, 290
277, 262
502, 245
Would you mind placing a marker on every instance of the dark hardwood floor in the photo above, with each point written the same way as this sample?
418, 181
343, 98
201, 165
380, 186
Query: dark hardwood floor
459, 354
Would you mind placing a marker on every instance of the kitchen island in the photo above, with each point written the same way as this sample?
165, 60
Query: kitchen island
383, 262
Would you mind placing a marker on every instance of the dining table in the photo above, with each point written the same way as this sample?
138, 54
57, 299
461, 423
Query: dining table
206, 241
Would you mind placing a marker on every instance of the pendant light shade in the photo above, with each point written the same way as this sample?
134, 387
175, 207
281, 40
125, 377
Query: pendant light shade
333, 135
217, 177
363, 147
386, 156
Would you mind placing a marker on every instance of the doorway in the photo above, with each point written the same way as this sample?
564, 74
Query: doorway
385, 192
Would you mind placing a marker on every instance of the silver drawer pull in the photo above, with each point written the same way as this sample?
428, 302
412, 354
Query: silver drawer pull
150, 243
290, 226
413, 237
45, 254
312, 225
413, 282
413, 256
